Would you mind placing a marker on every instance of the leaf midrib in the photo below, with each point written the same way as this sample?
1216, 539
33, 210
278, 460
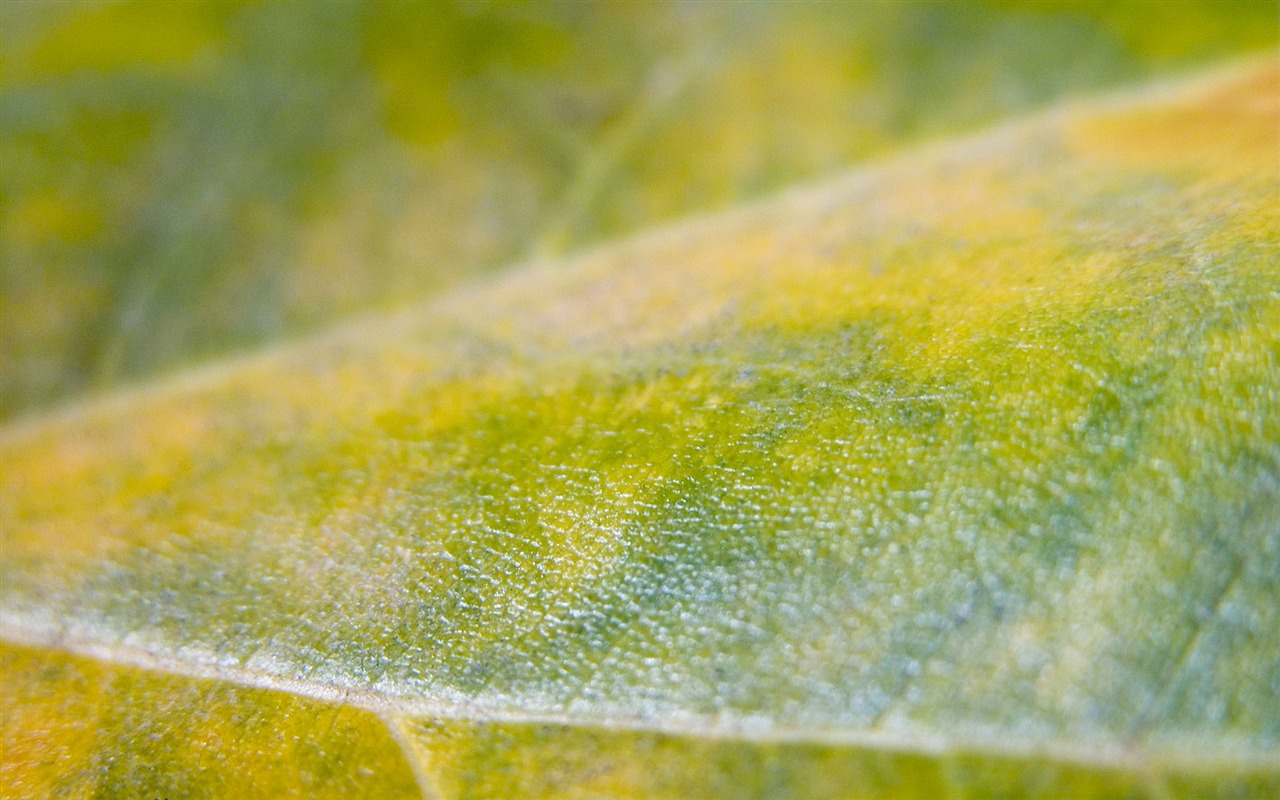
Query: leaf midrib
1205, 757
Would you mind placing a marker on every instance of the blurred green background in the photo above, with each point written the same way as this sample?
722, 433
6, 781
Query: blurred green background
183, 180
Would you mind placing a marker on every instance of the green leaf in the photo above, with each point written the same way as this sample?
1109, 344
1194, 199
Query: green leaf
180, 181
958, 475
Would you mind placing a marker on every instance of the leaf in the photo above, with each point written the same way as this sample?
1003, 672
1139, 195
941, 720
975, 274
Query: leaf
957, 475
184, 182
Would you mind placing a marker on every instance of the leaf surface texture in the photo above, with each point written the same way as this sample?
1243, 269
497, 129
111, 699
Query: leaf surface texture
959, 473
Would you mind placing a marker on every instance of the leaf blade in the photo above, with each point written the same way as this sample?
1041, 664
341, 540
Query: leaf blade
890, 456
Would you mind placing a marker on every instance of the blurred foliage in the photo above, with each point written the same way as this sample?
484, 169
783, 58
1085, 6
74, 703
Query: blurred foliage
183, 180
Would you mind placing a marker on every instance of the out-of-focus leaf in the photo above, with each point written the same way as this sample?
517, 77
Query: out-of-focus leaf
180, 180
76, 727
958, 474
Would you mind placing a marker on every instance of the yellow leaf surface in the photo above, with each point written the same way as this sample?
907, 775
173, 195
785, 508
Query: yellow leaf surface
958, 474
